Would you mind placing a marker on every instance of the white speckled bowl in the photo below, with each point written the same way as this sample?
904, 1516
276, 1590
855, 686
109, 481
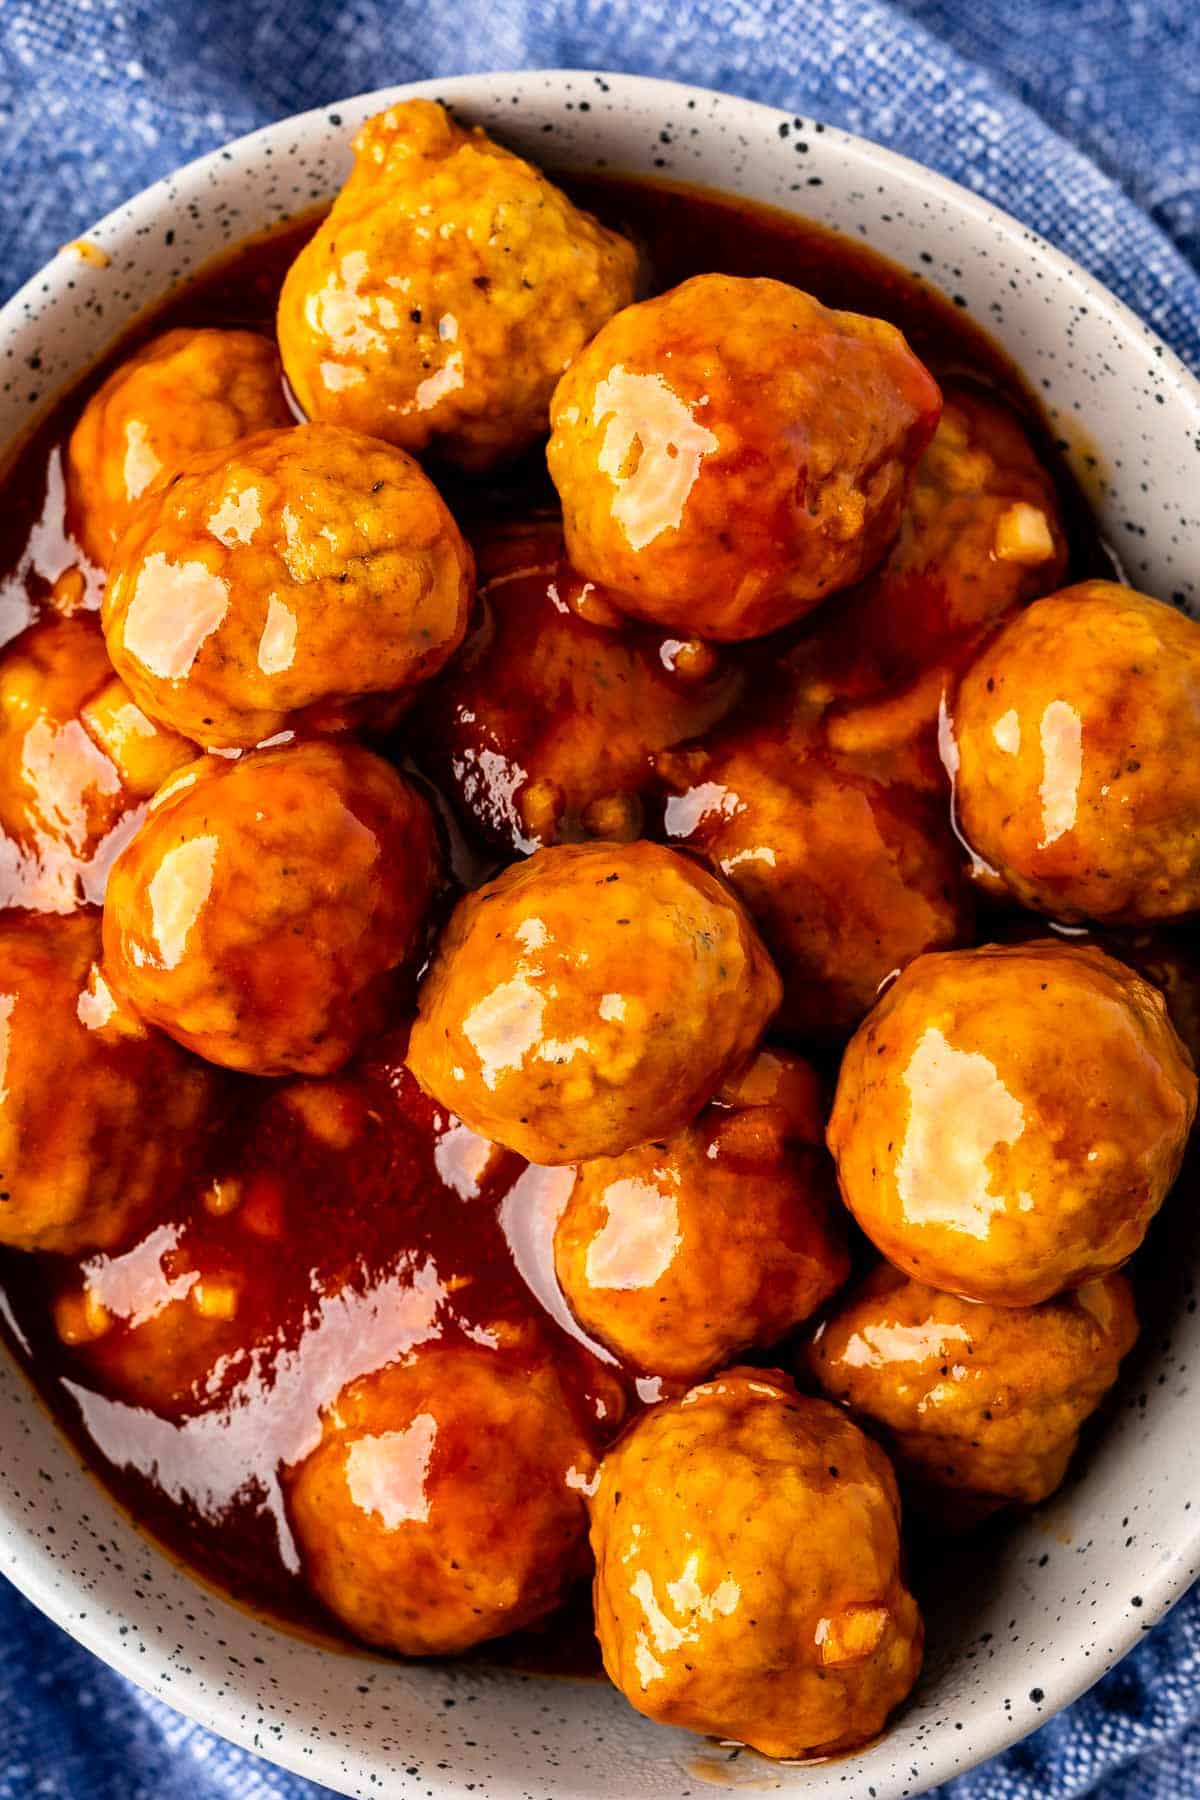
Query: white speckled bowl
1032, 1622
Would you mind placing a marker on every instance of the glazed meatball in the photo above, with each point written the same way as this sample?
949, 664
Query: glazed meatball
77, 756
682, 1252
446, 292
979, 536
729, 453
1008, 1120
545, 725
1072, 756
99, 1114
786, 1083
590, 998
261, 911
444, 1503
748, 1580
301, 578
847, 876
980, 1405
183, 394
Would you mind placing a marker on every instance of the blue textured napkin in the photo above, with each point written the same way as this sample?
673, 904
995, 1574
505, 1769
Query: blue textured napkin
1080, 116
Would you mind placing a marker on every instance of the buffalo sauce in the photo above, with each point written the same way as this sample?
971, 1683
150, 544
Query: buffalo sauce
331, 1227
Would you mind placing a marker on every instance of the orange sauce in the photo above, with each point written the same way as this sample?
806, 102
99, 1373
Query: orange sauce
396, 1225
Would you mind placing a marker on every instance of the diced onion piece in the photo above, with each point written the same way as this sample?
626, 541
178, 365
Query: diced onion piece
873, 726
69, 592
215, 1299
541, 806
222, 1196
617, 817
1023, 535
689, 658
325, 1111
852, 1634
592, 606
80, 1317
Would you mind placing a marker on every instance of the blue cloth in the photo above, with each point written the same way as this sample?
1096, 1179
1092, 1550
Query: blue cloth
1081, 116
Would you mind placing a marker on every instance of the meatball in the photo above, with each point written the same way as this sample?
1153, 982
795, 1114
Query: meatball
748, 1580
444, 1503
786, 1083
980, 1405
183, 394
99, 1115
590, 998
1008, 1120
261, 910
77, 756
299, 578
544, 727
446, 292
729, 453
680, 1253
980, 535
1072, 756
847, 876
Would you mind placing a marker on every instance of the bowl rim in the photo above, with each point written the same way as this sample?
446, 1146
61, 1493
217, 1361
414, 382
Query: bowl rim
26, 1560
119, 221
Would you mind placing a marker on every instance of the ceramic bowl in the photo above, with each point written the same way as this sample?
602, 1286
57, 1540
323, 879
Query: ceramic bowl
1024, 1626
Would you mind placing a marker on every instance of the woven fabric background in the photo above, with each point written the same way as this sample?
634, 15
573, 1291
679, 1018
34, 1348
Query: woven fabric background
1080, 116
